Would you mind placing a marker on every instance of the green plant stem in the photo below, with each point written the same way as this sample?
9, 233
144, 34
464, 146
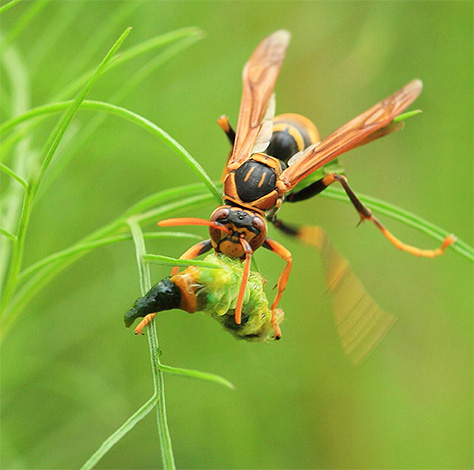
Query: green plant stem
7, 234
8, 5
86, 247
10, 172
123, 113
158, 381
48, 153
22, 22
196, 374
168, 261
120, 433
49, 272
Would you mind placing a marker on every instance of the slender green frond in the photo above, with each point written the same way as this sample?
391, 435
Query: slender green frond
168, 261
10, 172
8, 5
7, 234
166, 448
120, 433
48, 152
196, 374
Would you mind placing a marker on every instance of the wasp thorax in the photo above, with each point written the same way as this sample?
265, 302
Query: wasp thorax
237, 223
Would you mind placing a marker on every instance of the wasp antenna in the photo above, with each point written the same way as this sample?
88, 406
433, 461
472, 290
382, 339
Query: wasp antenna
192, 221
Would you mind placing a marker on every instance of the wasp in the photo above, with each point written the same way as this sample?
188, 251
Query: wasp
271, 154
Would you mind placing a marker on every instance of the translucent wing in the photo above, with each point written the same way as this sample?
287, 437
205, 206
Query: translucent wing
360, 322
259, 77
374, 123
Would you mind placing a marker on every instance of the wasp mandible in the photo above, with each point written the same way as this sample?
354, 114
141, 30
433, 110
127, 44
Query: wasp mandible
271, 154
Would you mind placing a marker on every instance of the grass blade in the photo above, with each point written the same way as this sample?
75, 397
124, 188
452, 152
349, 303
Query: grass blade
10, 172
124, 113
168, 261
120, 433
8, 5
48, 153
196, 374
166, 448
7, 234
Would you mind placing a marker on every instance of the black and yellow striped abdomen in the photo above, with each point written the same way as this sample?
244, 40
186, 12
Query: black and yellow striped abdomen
291, 134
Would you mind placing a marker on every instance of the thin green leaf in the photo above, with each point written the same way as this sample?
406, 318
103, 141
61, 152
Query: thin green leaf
166, 448
133, 52
22, 22
120, 433
8, 5
48, 153
86, 247
168, 261
92, 124
45, 275
7, 234
10, 172
124, 113
196, 374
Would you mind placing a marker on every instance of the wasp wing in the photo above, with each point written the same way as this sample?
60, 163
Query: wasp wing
373, 123
259, 77
360, 322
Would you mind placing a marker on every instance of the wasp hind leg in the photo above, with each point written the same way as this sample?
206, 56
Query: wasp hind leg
366, 214
281, 251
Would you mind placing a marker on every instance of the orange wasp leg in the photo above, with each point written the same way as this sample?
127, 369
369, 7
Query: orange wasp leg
193, 252
223, 122
146, 320
281, 251
366, 214
245, 277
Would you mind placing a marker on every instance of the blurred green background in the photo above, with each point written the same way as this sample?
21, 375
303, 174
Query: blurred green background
71, 372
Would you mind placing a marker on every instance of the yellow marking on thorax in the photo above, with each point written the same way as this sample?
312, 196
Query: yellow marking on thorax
247, 176
262, 180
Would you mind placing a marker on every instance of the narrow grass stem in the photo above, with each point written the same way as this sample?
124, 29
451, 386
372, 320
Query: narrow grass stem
158, 381
124, 113
48, 153
120, 433
8, 171
50, 271
7, 234
8, 5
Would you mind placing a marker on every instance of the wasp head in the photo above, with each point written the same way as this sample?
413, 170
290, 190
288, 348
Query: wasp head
237, 223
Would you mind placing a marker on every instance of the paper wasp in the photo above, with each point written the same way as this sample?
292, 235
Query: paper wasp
271, 155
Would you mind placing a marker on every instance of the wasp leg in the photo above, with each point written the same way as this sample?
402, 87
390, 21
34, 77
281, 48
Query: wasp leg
245, 277
360, 322
146, 320
223, 122
366, 214
281, 251
193, 252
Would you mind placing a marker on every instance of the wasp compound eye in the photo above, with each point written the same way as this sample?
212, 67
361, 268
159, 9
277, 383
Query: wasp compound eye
258, 223
220, 214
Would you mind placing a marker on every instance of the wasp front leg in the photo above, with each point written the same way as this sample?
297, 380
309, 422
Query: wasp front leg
196, 250
366, 214
281, 251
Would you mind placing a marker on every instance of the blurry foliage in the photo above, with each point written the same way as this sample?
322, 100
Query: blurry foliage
71, 373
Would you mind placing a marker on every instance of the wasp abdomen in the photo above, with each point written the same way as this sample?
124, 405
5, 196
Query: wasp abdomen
291, 134
254, 180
